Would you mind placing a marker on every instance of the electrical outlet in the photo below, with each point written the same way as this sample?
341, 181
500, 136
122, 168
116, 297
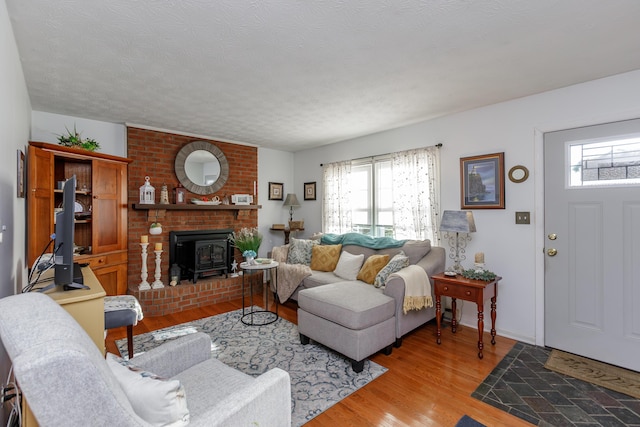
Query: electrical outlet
523, 218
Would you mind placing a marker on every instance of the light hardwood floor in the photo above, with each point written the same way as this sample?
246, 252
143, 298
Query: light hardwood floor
426, 384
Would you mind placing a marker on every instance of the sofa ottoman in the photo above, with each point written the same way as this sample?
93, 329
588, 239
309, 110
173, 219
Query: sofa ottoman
352, 318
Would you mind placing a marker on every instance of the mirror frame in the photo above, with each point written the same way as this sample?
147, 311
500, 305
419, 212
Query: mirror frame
518, 174
181, 158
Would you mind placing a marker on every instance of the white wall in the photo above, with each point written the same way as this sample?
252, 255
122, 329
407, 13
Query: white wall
515, 128
112, 137
273, 166
15, 110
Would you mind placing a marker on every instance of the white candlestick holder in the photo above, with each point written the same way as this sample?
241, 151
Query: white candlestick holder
158, 283
144, 285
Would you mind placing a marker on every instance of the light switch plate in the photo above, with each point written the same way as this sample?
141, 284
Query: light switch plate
523, 218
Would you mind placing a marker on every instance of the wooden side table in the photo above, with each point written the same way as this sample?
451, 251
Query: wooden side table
286, 232
469, 290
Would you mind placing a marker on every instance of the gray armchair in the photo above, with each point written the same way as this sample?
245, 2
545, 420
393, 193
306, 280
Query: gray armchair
66, 380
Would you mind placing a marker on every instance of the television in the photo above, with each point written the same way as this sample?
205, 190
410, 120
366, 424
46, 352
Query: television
66, 273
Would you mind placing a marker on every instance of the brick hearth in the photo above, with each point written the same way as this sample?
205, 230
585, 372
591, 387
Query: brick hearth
187, 295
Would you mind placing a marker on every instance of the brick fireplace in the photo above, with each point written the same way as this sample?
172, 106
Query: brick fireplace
153, 154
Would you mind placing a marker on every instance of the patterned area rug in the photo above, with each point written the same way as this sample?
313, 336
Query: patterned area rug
319, 377
602, 374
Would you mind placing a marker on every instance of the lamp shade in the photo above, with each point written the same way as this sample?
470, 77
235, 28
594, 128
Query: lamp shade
291, 201
457, 222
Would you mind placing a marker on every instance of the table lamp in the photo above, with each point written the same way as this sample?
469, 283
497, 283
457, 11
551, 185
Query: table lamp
291, 202
453, 223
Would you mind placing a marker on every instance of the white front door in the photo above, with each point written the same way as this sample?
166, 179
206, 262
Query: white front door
592, 242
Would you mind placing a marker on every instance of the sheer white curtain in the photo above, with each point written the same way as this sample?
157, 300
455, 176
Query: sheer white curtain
336, 201
416, 193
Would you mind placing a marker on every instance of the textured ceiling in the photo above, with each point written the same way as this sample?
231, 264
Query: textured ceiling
296, 74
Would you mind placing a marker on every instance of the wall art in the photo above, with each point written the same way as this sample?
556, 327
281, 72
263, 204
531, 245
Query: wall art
309, 190
276, 191
482, 182
20, 181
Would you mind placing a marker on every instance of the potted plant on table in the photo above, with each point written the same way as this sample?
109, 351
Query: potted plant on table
248, 241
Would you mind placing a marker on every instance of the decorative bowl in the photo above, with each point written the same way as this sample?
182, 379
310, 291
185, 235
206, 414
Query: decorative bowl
208, 203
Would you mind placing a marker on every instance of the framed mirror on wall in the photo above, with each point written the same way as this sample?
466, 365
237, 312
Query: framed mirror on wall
201, 167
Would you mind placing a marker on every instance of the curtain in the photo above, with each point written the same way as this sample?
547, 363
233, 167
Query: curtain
416, 193
336, 201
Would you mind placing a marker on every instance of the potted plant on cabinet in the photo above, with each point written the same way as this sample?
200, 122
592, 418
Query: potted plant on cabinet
73, 139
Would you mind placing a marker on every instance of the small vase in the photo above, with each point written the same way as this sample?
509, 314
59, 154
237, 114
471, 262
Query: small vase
250, 260
155, 230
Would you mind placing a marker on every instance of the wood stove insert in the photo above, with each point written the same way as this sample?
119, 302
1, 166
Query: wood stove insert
200, 253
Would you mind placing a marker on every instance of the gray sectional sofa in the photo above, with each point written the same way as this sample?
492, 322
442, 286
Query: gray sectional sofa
356, 318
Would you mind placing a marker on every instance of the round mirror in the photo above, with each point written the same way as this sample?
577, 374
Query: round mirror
201, 167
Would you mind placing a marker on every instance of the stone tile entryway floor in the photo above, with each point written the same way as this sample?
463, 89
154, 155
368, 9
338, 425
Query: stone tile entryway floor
521, 386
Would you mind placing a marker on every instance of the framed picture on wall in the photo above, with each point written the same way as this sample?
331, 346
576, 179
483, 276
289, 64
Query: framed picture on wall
482, 182
309, 190
276, 191
20, 191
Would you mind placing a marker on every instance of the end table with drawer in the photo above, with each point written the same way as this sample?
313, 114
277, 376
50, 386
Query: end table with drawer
469, 290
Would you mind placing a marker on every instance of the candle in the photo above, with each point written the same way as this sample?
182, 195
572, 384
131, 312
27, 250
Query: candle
254, 189
158, 246
479, 258
144, 239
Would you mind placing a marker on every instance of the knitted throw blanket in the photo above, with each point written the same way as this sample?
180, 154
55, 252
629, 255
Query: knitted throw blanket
417, 292
289, 275
361, 240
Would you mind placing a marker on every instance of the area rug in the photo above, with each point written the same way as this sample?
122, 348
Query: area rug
522, 386
593, 371
320, 377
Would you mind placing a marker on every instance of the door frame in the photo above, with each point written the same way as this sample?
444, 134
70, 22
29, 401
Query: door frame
539, 238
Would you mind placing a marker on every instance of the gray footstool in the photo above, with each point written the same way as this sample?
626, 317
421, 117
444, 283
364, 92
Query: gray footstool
351, 318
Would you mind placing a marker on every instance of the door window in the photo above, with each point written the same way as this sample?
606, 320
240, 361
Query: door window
608, 162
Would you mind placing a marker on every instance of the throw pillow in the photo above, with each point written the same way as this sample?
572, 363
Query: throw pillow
397, 263
348, 266
300, 251
371, 267
158, 401
416, 249
325, 257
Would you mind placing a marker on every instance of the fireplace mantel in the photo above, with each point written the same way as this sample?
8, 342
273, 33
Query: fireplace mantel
161, 209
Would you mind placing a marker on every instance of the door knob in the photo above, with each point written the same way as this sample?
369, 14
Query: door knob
552, 252
553, 236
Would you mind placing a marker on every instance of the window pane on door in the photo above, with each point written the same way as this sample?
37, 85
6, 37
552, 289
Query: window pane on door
604, 163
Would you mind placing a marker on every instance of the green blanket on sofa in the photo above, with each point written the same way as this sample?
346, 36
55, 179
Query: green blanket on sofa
361, 240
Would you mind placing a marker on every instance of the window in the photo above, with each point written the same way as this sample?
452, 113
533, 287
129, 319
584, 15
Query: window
395, 195
372, 208
604, 162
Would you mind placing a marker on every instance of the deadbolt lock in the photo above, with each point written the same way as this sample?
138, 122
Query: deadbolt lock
553, 236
